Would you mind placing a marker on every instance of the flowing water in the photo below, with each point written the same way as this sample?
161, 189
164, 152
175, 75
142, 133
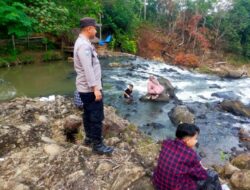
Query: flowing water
201, 93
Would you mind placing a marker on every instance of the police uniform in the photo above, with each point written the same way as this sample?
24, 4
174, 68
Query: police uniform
88, 69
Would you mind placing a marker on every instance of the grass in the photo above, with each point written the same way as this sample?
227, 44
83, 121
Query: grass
237, 60
204, 69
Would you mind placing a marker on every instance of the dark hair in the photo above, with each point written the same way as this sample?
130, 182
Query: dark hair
131, 85
186, 130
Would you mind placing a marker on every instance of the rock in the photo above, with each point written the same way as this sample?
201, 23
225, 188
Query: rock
113, 125
230, 73
116, 64
103, 168
128, 174
161, 98
215, 86
48, 140
244, 134
24, 128
53, 149
143, 184
72, 121
229, 95
235, 74
75, 176
241, 180
181, 114
169, 89
113, 141
21, 187
166, 95
43, 119
235, 107
242, 161
230, 170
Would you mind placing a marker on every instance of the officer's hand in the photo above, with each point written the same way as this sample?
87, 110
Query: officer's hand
98, 95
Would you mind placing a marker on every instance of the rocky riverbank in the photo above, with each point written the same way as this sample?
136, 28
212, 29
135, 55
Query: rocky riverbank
35, 152
40, 148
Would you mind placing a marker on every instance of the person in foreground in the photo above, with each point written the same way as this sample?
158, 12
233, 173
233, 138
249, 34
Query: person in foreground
179, 167
89, 86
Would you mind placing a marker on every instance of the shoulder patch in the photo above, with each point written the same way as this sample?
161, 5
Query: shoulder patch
87, 52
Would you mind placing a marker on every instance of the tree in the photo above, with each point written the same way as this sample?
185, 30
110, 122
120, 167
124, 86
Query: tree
13, 20
49, 17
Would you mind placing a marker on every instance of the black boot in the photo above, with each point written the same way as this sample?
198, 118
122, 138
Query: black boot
101, 148
87, 141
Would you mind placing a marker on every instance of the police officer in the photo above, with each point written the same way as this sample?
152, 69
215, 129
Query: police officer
89, 85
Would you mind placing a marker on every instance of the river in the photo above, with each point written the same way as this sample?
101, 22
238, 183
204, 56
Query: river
200, 92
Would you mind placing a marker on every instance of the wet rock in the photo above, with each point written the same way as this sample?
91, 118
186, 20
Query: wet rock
244, 134
242, 161
215, 86
161, 98
229, 95
235, 74
119, 64
169, 89
181, 114
230, 170
235, 107
230, 73
128, 174
241, 180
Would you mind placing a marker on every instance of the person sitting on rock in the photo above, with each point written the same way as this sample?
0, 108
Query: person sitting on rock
154, 88
128, 93
179, 166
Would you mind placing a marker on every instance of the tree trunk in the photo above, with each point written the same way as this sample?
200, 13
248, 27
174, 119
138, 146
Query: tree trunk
13, 43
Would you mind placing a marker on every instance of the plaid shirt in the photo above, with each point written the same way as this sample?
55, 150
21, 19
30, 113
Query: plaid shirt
178, 167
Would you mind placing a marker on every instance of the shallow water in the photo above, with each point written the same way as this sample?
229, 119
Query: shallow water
218, 129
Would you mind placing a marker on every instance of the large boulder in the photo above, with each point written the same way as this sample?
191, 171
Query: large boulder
235, 107
181, 114
230, 170
169, 89
230, 73
168, 93
113, 125
244, 134
242, 161
162, 98
128, 174
241, 180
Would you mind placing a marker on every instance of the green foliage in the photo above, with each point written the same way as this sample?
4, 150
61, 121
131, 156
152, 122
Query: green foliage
49, 17
13, 19
52, 56
80, 8
121, 19
236, 26
127, 44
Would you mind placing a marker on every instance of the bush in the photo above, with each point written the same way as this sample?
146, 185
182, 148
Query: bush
52, 56
189, 60
127, 44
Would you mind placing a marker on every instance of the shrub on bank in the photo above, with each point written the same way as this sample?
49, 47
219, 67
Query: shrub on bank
188, 60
